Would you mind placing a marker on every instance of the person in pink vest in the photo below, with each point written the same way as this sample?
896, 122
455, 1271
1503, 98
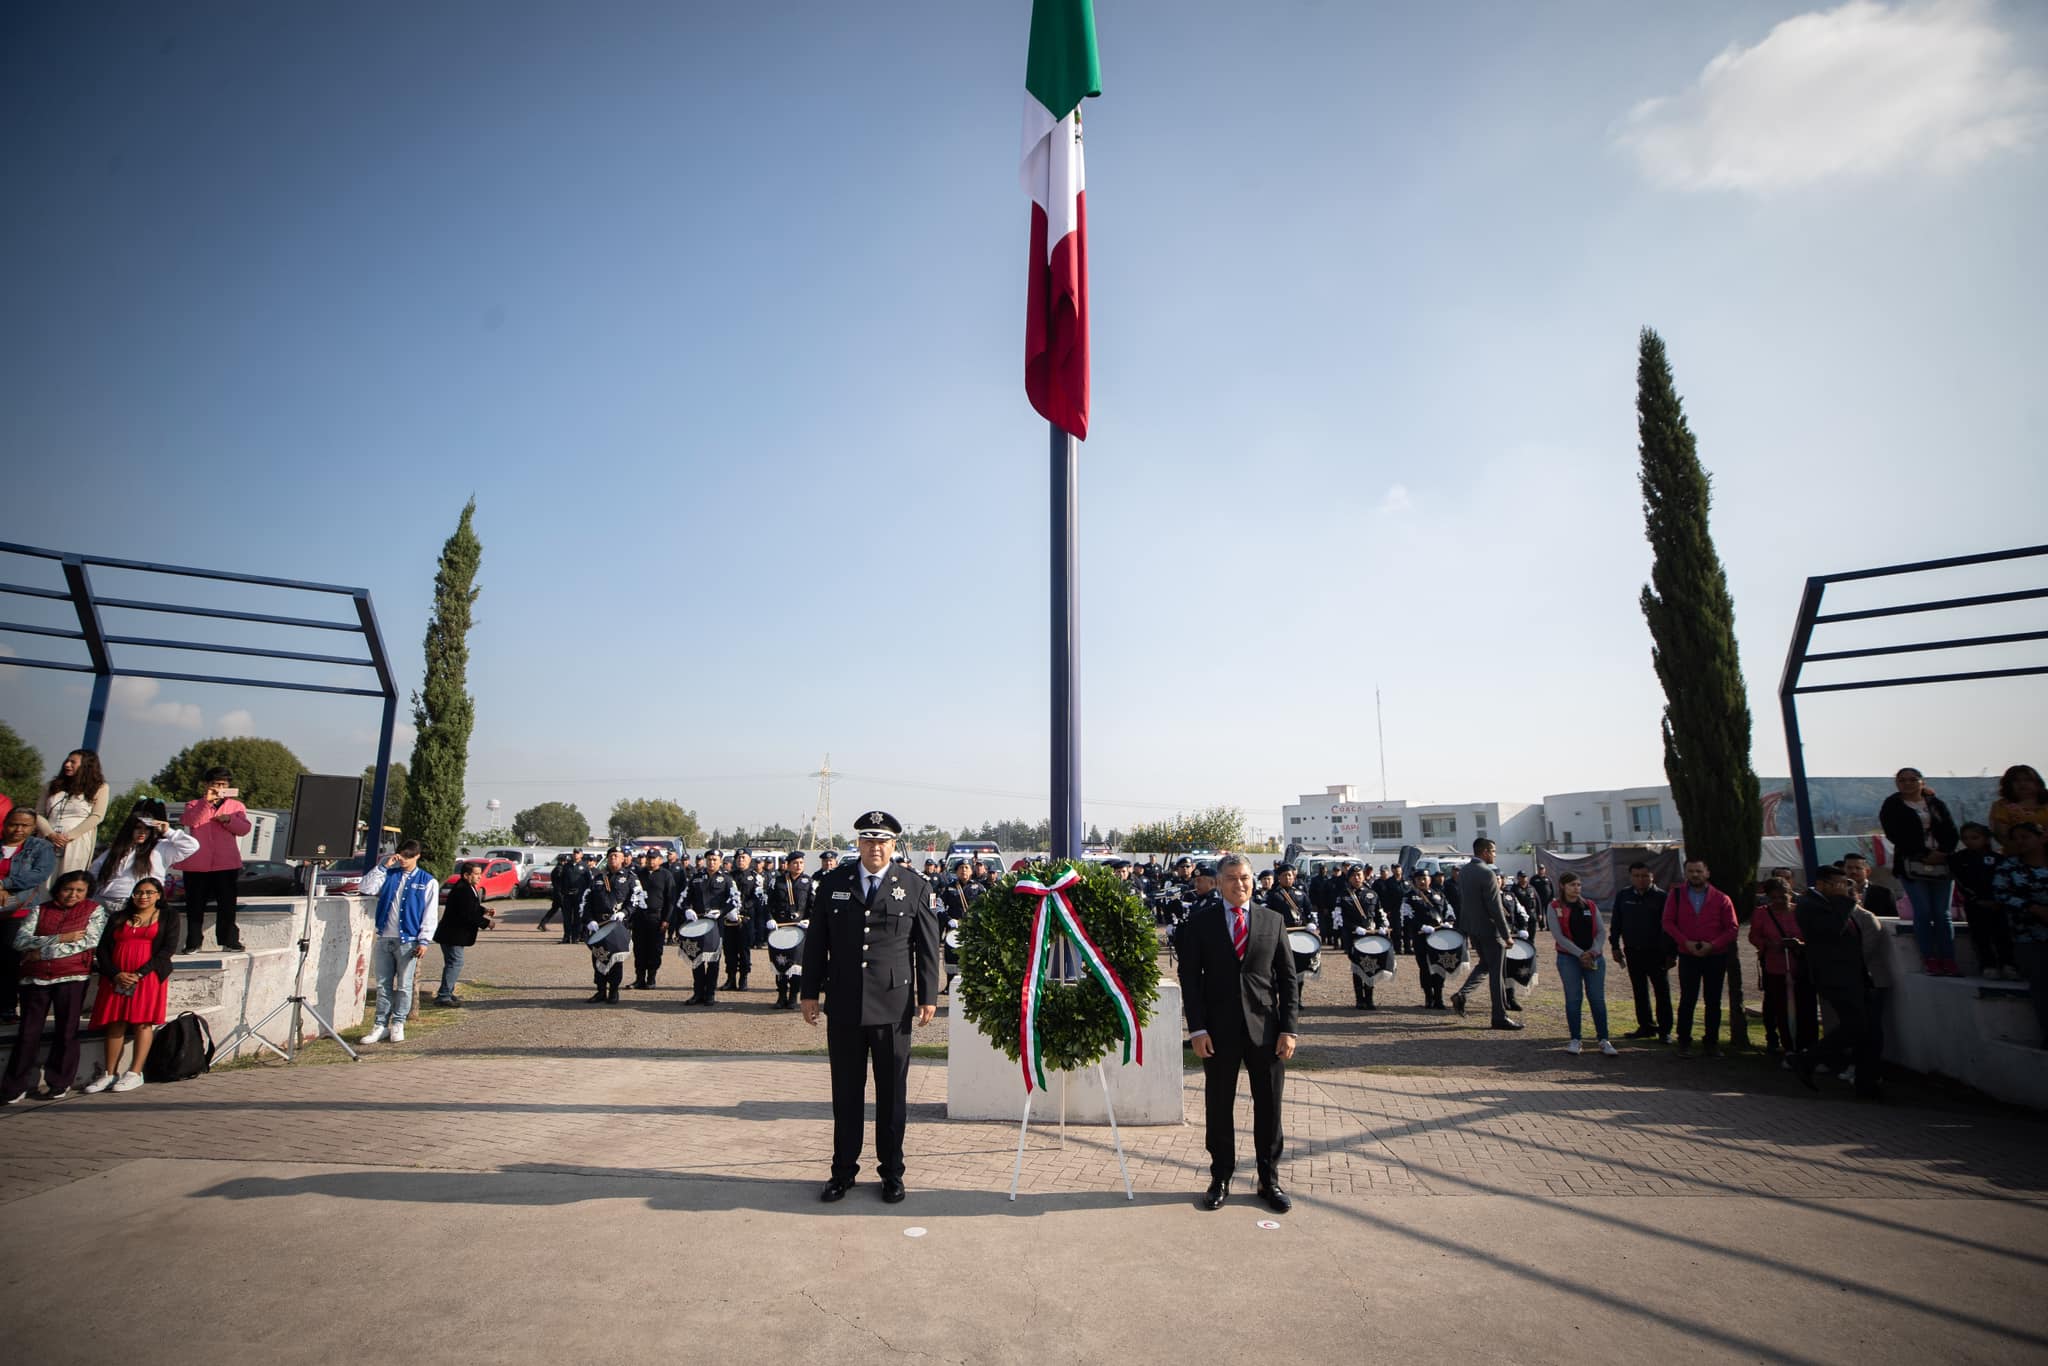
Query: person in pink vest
1700, 919
216, 820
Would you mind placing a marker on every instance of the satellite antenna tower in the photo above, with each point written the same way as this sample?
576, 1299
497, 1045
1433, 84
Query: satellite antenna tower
821, 823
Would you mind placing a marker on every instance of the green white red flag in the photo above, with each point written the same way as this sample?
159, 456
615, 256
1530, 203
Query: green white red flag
1061, 71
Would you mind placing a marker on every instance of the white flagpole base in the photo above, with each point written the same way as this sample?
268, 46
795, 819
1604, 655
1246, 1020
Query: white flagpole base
1017, 1172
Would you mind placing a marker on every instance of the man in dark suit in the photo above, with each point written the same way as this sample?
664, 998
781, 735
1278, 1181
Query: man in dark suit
1238, 987
1483, 920
873, 946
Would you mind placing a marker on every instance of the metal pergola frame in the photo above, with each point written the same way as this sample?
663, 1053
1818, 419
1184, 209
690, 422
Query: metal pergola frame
99, 644
1801, 653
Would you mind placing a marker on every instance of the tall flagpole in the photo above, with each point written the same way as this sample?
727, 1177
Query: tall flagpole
1066, 709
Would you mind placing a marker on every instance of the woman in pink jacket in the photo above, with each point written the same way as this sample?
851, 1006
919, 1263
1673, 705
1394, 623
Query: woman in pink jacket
216, 820
1700, 919
1791, 1012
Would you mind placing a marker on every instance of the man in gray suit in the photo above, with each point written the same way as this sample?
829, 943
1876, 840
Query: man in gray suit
1483, 920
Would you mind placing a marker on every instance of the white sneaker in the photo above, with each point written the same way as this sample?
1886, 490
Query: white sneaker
377, 1035
129, 1081
398, 1033
99, 1083
1574, 1048
1849, 1074
1608, 1050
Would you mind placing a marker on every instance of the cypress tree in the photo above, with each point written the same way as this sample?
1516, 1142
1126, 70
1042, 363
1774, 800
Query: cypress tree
1692, 640
442, 710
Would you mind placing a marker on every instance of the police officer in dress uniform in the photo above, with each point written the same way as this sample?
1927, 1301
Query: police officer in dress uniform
613, 892
789, 901
649, 922
741, 938
873, 947
1283, 897
1424, 910
712, 897
571, 881
1358, 906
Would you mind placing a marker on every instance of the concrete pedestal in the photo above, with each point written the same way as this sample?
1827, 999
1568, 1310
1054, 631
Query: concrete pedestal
981, 1083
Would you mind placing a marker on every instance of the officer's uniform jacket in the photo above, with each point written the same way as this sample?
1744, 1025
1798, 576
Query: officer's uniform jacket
874, 963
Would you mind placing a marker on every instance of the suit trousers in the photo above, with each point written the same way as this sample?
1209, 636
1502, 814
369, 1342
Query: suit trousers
1647, 973
1488, 966
1853, 1040
852, 1047
1265, 1073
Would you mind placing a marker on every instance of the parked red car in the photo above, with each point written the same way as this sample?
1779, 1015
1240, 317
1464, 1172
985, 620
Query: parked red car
501, 876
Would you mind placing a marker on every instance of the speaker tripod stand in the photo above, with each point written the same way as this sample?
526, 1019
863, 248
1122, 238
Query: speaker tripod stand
297, 1003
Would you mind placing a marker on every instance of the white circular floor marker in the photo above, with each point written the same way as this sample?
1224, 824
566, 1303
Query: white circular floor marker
913, 1233
1269, 1223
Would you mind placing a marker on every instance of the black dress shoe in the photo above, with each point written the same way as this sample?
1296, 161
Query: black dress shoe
892, 1192
1507, 1024
835, 1189
1457, 1003
1213, 1198
1803, 1068
1276, 1199
598, 999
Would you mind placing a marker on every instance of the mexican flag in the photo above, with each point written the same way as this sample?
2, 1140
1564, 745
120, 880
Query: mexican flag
1061, 72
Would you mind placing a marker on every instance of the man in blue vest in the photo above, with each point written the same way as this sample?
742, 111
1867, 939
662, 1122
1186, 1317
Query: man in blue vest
408, 908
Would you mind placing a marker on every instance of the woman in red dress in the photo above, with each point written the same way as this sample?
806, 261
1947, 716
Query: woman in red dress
134, 964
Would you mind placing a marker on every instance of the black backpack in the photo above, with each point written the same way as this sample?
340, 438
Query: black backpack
183, 1048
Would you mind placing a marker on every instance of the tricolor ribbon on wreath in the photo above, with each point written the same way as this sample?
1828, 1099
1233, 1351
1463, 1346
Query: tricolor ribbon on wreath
1056, 914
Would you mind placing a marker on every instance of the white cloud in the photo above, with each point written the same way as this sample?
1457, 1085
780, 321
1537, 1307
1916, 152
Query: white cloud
402, 736
237, 722
1858, 91
136, 699
1396, 500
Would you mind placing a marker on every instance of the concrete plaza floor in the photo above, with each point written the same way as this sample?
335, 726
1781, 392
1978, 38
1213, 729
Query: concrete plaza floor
532, 1178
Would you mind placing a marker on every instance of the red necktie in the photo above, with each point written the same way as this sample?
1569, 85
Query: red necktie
1239, 934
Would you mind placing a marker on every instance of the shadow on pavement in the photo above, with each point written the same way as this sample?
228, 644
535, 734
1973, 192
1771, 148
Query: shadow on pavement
543, 1185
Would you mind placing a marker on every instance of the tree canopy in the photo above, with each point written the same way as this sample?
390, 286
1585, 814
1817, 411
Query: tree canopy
443, 711
21, 768
552, 823
1219, 827
1692, 639
266, 773
394, 795
633, 817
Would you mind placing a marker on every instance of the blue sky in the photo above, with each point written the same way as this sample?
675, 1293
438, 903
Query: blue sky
717, 310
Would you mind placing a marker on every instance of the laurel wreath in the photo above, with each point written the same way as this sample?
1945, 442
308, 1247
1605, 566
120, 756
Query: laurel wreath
1077, 1021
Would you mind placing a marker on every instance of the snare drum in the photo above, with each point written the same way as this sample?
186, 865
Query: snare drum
785, 946
1445, 952
1372, 958
1518, 964
1308, 951
698, 939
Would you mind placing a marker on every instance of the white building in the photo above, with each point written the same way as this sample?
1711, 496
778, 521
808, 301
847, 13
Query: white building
1622, 815
1340, 819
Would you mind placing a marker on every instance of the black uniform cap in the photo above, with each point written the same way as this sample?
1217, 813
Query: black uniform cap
877, 825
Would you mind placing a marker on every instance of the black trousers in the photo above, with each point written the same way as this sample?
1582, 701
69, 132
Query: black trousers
60, 1006
554, 909
647, 943
1266, 1073
216, 889
736, 947
1737, 1030
704, 976
1791, 1011
1697, 976
608, 981
1990, 935
1649, 973
1854, 1039
1490, 956
854, 1048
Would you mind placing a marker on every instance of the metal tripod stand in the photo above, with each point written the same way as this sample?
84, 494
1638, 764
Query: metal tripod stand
296, 1002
